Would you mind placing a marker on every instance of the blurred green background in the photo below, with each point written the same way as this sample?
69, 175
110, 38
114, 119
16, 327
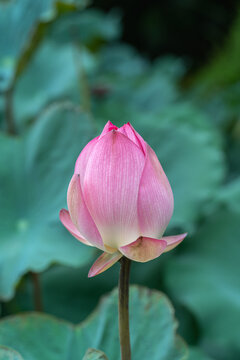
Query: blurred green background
173, 70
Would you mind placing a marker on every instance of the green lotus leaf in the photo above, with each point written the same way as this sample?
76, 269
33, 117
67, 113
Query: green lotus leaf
205, 278
149, 310
9, 354
20, 22
34, 176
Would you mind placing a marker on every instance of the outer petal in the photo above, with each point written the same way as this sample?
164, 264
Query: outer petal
67, 222
104, 262
80, 215
111, 186
155, 199
108, 127
82, 160
131, 133
173, 241
144, 249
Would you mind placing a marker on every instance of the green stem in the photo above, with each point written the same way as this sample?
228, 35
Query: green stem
37, 293
11, 128
83, 81
123, 291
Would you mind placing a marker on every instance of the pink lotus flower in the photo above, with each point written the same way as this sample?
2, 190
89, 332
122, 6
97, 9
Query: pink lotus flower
119, 199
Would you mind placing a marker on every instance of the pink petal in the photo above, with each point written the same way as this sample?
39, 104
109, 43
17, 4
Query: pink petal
111, 188
155, 199
173, 241
104, 262
144, 249
82, 160
108, 127
67, 222
130, 132
80, 215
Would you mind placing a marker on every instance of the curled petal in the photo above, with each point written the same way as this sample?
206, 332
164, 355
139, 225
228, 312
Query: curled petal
144, 249
132, 134
108, 127
80, 215
104, 262
173, 241
155, 199
67, 222
111, 188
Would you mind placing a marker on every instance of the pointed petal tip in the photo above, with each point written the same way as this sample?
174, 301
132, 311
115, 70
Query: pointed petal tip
103, 263
109, 123
107, 128
110, 126
173, 241
91, 274
62, 211
64, 216
68, 224
129, 131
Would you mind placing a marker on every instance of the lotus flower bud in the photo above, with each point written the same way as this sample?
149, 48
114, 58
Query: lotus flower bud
119, 199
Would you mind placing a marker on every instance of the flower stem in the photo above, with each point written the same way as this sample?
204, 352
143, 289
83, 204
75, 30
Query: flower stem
11, 127
123, 291
83, 81
37, 293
